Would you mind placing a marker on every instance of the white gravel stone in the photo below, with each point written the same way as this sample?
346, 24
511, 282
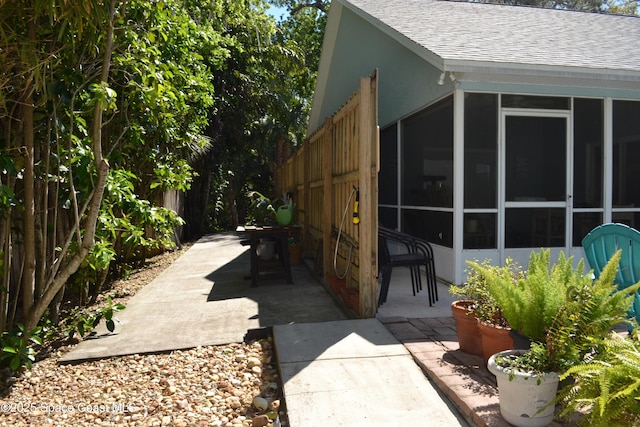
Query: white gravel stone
204, 386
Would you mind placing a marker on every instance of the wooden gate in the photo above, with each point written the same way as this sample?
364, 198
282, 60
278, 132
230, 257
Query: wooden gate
335, 171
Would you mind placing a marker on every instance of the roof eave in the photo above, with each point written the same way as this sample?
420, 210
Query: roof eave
541, 71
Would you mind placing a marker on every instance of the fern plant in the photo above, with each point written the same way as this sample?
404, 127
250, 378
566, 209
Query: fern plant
529, 301
591, 310
606, 389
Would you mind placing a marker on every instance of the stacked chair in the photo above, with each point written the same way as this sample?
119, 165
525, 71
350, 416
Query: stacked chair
406, 251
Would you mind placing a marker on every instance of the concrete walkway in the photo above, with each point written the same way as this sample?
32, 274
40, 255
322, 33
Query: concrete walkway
203, 298
355, 373
335, 371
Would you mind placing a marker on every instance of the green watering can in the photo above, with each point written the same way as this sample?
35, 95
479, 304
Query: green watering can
284, 214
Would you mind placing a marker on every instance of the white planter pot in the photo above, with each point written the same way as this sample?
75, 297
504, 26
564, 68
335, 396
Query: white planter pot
522, 394
266, 249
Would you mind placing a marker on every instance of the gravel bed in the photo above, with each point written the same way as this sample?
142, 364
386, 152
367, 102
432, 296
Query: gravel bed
230, 385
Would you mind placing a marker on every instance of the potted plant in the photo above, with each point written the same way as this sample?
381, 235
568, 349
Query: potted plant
584, 316
494, 328
469, 338
295, 250
475, 304
496, 336
526, 392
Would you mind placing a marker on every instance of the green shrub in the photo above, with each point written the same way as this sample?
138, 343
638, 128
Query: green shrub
17, 348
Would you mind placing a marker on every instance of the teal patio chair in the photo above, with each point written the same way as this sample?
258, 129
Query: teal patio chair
602, 242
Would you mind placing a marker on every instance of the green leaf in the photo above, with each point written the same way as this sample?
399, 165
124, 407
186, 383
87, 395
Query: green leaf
96, 321
15, 364
9, 350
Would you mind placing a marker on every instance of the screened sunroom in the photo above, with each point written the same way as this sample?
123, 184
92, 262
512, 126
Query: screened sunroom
528, 172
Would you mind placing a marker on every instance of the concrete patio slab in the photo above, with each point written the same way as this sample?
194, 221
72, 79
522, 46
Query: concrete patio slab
355, 373
336, 340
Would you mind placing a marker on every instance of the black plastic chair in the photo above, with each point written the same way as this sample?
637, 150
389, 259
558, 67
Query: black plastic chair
420, 245
417, 253
387, 262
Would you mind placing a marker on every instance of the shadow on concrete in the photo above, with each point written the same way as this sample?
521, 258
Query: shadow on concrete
279, 303
203, 298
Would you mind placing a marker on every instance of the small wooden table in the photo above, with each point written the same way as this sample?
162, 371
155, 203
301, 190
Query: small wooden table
264, 269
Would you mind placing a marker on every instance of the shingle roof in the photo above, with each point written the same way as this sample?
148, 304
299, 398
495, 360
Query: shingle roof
462, 33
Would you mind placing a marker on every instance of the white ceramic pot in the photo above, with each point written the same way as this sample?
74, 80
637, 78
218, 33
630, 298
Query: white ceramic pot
266, 249
524, 397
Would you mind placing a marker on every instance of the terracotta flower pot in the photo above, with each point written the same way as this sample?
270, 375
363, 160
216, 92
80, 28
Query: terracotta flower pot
337, 285
469, 337
495, 339
351, 298
295, 254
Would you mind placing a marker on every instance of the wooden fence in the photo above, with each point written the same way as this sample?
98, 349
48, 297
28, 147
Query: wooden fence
336, 165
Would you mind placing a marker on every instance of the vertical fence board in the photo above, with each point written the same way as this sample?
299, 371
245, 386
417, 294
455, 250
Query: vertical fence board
367, 130
327, 203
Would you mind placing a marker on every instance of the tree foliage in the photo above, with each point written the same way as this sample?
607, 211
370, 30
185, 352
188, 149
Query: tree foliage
622, 7
263, 101
53, 215
106, 106
103, 106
